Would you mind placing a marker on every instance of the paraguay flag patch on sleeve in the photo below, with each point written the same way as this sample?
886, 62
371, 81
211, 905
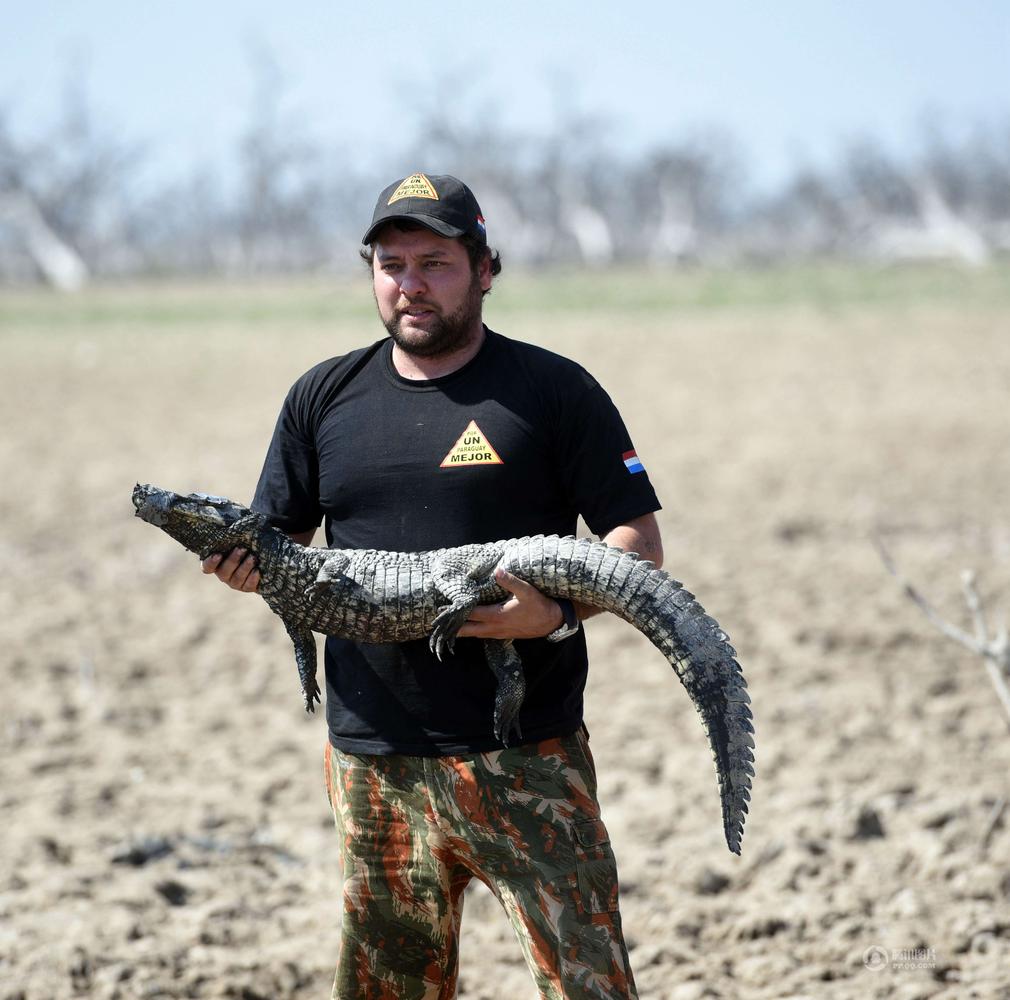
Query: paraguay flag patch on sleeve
632, 462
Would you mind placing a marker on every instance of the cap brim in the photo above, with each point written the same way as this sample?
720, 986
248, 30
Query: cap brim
437, 226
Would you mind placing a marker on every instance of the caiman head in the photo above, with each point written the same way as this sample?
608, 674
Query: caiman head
202, 523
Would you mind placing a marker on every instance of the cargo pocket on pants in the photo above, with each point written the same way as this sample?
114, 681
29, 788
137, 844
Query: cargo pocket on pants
595, 866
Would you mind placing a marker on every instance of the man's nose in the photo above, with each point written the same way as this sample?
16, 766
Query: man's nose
412, 282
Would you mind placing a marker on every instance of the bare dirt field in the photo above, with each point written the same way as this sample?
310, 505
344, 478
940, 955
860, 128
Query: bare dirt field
164, 830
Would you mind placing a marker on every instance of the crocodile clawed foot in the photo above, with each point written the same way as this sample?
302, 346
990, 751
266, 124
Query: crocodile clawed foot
506, 719
508, 701
313, 590
445, 627
312, 696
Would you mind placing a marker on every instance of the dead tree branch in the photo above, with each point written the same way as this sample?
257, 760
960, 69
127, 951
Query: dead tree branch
994, 650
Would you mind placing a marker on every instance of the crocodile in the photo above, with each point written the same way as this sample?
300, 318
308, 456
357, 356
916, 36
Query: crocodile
371, 595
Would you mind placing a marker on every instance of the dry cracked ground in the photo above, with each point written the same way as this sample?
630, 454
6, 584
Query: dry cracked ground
165, 832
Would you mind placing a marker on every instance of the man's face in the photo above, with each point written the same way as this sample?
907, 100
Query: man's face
428, 296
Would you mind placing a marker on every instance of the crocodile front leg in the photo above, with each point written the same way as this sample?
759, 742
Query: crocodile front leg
447, 624
305, 657
508, 668
465, 579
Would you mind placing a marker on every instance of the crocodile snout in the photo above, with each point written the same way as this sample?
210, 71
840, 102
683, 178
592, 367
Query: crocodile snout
152, 504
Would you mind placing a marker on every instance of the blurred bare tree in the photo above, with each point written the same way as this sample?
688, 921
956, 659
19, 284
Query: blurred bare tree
70, 206
282, 195
565, 196
65, 200
688, 195
951, 201
284, 211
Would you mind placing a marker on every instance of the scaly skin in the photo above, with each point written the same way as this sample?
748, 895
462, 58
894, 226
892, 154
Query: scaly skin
376, 596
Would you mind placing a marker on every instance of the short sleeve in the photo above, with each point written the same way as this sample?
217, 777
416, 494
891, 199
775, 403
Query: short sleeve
602, 473
288, 488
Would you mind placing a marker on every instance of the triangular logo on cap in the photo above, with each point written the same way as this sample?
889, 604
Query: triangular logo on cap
472, 448
415, 186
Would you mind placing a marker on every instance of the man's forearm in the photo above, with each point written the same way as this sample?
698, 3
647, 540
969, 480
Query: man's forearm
640, 535
529, 614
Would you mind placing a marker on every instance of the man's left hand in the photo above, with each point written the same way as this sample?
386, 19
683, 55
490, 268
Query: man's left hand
527, 614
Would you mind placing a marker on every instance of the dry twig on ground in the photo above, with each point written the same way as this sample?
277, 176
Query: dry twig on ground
994, 650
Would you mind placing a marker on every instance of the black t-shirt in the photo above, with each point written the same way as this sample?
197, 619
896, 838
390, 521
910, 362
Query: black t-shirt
519, 441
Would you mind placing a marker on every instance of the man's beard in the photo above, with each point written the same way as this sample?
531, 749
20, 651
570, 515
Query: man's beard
446, 334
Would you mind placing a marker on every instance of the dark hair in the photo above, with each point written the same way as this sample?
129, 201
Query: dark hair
476, 249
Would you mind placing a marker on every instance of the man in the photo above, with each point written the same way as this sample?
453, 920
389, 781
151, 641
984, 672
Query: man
443, 434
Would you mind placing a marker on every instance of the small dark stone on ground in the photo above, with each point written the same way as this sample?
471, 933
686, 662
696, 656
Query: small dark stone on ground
172, 892
711, 882
56, 851
868, 824
139, 852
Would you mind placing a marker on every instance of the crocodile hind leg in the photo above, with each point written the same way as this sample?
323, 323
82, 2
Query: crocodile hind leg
466, 582
330, 574
305, 657
508, 668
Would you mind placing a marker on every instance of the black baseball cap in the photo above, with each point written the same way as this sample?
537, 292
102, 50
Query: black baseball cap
441, 203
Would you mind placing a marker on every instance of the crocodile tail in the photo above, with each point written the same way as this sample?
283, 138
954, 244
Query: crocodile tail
697, 648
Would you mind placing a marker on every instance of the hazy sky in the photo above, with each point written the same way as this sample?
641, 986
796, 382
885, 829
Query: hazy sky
791, 79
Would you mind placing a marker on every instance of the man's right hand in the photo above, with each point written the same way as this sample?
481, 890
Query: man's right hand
236, 568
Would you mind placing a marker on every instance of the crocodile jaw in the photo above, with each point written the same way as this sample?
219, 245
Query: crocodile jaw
199, 522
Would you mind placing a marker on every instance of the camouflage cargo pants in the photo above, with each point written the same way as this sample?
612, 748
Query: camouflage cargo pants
525, 821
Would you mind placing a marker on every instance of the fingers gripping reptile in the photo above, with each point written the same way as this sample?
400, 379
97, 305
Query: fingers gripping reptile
378, 596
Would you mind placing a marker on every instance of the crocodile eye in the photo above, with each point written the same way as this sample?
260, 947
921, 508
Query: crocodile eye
209, 498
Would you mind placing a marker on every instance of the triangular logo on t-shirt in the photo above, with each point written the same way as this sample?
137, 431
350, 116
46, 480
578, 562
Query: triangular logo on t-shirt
472, 448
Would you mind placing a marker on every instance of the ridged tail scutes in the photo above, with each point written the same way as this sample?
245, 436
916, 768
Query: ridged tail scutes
700, 653
602, 576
